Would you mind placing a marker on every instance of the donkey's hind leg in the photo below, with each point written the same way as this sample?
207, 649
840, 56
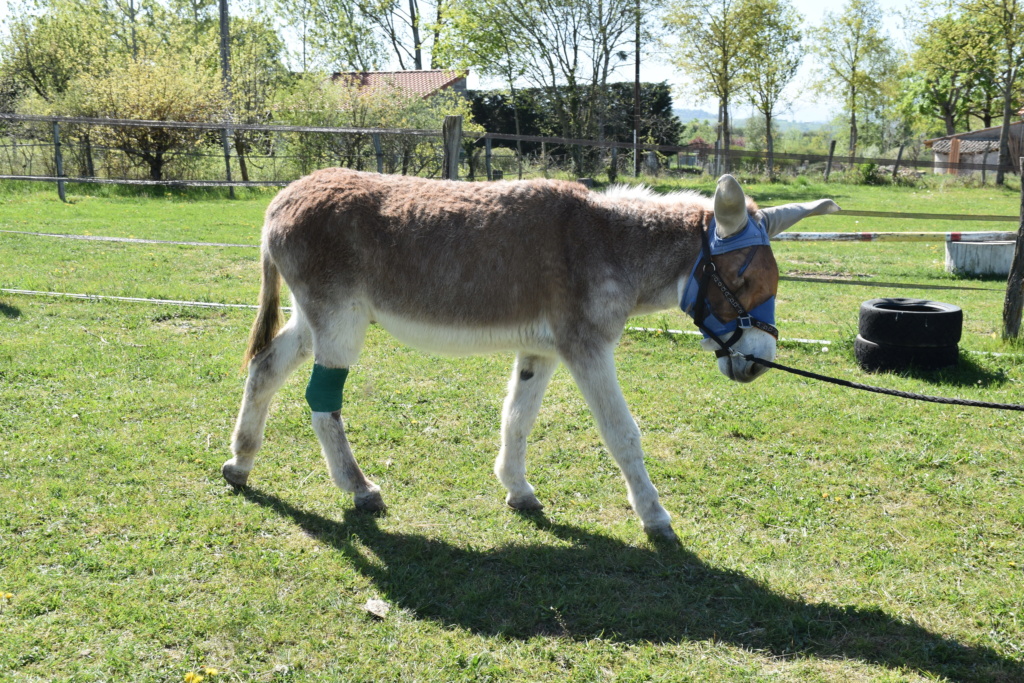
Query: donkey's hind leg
267, 372
337, 340
530, 377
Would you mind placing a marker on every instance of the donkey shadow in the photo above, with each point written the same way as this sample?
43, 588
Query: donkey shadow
9, 311
590, 586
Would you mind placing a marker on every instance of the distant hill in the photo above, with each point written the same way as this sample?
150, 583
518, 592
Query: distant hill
687, 115
781, 125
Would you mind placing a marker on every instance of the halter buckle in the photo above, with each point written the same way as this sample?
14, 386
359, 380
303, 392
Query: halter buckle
745, 322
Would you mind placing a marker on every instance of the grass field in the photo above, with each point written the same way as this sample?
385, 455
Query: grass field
826, 535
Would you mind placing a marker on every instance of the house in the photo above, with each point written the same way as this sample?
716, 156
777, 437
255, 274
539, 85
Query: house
975, 147
423, 83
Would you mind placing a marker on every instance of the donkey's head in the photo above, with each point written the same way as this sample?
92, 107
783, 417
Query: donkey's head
731, 291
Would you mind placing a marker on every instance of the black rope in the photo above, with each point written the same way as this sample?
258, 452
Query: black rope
887, 392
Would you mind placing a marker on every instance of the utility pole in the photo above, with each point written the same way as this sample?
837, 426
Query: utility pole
225, 70
636, 96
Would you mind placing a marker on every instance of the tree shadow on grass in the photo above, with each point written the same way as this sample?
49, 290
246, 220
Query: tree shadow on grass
587, 586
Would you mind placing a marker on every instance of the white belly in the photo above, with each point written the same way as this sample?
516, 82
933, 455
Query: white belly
533, 337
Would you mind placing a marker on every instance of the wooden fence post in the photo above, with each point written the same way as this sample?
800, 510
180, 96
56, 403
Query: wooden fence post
1014, 302
58, 160
379, 151
831, 154
954, 156
451, 131
488, 151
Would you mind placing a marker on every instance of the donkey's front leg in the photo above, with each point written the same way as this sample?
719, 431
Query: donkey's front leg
344, 469
594, 372
530, 377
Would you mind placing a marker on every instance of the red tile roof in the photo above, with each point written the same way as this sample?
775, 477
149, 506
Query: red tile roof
423, 83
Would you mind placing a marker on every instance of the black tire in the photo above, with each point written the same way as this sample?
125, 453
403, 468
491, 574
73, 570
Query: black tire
874, 357
911, 323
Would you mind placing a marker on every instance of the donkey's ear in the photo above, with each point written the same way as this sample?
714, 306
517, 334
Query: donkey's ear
730, 207
779, 218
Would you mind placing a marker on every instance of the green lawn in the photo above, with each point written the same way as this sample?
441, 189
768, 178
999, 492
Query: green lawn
827, 535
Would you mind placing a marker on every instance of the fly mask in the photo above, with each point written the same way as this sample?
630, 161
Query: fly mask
696, 304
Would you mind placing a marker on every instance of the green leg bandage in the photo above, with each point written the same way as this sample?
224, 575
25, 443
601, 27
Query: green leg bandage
323, 393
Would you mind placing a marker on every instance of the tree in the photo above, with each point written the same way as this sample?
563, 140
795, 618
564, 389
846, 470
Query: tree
316, 100
355, 35
776, 41
566, 48
713, 45
855, 59
152, 90
953, 65
341, 36
257, 74
475, 38
1006, 18
51, 43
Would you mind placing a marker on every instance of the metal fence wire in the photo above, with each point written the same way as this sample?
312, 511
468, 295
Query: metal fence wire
119, 151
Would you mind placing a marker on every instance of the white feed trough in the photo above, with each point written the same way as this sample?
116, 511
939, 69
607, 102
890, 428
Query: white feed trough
979, 258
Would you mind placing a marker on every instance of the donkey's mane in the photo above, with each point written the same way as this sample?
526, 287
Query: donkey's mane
643, 193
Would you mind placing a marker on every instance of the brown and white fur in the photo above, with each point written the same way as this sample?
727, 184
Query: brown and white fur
544, 268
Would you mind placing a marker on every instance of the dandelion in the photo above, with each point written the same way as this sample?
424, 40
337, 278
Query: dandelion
193, 677
210, 671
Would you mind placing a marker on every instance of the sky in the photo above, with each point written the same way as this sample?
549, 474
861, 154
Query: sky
805, 107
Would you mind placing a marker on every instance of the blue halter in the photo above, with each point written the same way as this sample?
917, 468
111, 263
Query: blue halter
695, 302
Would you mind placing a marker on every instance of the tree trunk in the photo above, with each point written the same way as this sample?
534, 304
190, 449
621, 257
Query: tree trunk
414, 20
156, 166
90, 168
1004, 132
243, 167
434, 64
726, 135
949, 118
853, 124
771, 145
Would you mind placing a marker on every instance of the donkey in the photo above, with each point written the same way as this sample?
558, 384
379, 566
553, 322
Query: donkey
544, 268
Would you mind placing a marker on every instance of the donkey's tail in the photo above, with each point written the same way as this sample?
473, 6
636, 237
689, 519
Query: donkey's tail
268, 317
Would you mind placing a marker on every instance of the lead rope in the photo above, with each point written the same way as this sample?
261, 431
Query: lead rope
880, 390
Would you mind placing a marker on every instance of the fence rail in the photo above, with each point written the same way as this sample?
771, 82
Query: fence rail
897, 236
265, 155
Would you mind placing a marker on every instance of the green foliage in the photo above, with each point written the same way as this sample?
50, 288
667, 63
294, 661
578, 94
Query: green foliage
713, 44
567, 51
658, 125
317, 100
48, 45
953, 68
777, 38
856, 60
147, 90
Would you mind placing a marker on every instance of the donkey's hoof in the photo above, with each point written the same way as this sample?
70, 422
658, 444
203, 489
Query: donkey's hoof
662, 533
234, 475
370, 502
527, 503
